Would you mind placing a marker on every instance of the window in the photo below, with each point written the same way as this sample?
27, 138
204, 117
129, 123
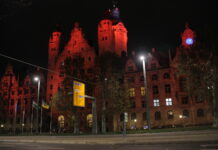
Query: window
121, 117
51, 87
51, 77
26, 91
156, 102
133, 116
131, 80
169, 102
185, 113
184, 100
90, 70
144, 115
157, 115
167, 88
166, 76
142, 78
130, 68
25, 101
89, 58
153, 66
19, 92
12, 102
182, 84
12, 92
155, 90
143, 104
154, 77
133, 103
200, 113
170, 114
142, 91
132, 92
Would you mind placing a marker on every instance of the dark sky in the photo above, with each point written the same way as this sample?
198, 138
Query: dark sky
150, 23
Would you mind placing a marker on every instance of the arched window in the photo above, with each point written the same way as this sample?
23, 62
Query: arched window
200, 113
170, 114
185, 113
157, 115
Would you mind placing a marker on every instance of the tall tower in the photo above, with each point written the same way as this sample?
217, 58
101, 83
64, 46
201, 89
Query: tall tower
188, 37
53, 48
112, 34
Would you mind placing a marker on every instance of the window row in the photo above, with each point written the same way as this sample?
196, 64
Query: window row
157, 115
155, 90
156, 103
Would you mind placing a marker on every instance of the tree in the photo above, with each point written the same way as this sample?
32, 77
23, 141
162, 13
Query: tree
199, 65
72, 67
114, 91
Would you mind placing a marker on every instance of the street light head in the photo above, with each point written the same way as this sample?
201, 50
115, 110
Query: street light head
142, 57
36, 78
2, 125
135, 120
180, 116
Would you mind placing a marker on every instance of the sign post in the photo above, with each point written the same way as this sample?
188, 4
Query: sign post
78, 94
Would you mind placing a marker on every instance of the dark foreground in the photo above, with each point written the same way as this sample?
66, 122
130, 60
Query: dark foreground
174, 146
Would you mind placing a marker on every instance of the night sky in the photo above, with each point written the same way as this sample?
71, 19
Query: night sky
150, 23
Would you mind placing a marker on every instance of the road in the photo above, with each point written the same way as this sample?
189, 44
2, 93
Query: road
174, 146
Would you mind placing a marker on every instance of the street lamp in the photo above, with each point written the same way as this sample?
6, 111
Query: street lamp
36, 79
142, 58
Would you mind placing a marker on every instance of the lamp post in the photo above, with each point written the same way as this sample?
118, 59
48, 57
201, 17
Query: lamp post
37, 109
142, 58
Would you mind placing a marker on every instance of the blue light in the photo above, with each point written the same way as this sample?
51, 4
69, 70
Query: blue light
189, 41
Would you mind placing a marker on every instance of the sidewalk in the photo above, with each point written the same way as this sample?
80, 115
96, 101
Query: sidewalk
147, 138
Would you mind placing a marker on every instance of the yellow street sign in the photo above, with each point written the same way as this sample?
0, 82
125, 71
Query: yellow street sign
78, 94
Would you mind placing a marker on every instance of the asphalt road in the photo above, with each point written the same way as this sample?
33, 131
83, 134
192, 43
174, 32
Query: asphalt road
173, 146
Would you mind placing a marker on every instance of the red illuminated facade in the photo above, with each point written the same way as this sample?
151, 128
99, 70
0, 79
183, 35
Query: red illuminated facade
169, 103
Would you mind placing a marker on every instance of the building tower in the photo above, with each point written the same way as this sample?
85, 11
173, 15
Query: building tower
188, 37
53, 48
112, 34
53, 51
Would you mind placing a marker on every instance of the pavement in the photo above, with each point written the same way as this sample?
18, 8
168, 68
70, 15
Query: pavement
146, 138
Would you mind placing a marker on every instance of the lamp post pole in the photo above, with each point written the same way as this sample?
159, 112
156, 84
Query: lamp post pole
37, 109
146, 94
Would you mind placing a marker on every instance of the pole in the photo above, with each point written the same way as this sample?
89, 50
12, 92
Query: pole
146, 96
31, 125
23, 120
37, 109
94, 126
41, 120
50, 129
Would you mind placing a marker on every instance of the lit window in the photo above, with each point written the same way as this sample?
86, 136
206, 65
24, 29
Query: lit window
156, 102
143, 91
132, 92
169, 101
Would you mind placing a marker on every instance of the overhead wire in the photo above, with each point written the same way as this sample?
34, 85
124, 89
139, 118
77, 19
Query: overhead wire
43, 68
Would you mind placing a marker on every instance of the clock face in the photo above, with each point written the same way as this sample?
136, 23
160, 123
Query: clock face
189, 41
